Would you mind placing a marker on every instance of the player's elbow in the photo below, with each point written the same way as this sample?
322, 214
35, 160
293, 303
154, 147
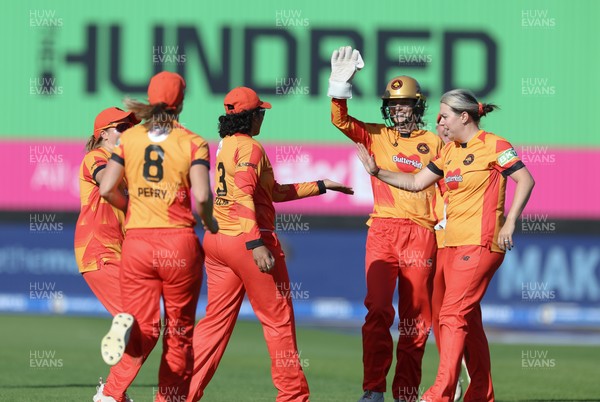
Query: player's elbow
104, 190
202, 195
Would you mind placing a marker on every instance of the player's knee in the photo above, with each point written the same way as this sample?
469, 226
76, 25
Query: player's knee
452, 320
379, 313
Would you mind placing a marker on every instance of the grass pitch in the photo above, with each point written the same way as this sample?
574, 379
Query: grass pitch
56, 358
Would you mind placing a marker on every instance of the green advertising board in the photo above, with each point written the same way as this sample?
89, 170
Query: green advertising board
64, 61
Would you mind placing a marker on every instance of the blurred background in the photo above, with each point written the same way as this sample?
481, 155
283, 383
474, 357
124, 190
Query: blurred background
537, 60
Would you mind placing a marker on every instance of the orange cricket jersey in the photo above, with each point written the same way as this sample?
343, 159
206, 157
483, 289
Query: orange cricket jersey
99, 232
246, 189
157, 173
475, 174
410, 155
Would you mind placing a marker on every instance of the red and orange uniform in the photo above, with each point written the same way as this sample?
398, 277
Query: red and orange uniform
246, 189
162, 257
475, 176
400, 249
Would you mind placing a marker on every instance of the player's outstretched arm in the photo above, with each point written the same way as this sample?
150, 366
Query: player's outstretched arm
335, 186
203, 196
296, 191
109, 186
404, 181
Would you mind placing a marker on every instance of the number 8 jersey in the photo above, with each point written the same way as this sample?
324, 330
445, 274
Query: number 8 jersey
157, 172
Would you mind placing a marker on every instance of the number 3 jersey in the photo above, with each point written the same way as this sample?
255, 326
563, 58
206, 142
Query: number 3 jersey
157, 173
246, 188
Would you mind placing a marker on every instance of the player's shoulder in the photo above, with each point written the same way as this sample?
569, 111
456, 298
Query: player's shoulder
244, 140
185, 134
133, 133
375, 128
96, 154
243, 146
494, 142
428, 136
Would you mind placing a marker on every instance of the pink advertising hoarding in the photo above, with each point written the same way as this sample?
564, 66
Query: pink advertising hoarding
43, 176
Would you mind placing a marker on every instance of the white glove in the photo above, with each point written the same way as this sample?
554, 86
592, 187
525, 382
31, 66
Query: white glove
344, 64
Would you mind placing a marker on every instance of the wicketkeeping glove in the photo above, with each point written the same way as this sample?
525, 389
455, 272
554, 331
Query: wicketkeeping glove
344, 64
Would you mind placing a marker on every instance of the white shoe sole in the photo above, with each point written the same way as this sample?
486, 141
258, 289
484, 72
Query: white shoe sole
113, 344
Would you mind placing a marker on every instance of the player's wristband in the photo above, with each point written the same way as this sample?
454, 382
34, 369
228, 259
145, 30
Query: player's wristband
322, 188
339, 90
376, 172
251, 245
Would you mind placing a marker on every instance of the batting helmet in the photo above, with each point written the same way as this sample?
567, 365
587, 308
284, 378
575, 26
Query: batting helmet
403, 87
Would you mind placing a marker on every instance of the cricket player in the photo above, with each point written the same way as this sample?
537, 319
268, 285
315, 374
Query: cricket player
246, 257
401, 245
439, 287
474, 165
164, 164
99, 232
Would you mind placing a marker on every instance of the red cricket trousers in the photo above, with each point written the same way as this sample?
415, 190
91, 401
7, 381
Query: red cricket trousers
466, 272
231, 273
159, 263
105, 284
398, 251
478, 361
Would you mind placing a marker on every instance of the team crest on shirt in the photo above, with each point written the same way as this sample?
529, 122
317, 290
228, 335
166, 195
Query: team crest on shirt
453, 179
423, 148
407, 164
469, 159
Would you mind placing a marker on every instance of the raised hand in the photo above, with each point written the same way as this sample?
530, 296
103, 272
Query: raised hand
367, 159
345, 62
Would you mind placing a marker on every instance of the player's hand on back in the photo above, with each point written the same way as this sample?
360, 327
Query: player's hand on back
263, 258
335, 186
345, 62
212, 226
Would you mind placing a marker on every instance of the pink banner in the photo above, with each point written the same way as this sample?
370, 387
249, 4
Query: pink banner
43, 176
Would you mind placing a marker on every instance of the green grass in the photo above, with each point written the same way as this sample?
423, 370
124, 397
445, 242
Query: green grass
332, 365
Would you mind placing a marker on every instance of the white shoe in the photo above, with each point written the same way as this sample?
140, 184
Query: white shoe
459, 389
371, 396
464, 367
458, 392
100, 397
113, 344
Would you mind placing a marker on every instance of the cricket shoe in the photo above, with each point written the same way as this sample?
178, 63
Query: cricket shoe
372, 396
100, 397
114, 342
459, 388
459, 391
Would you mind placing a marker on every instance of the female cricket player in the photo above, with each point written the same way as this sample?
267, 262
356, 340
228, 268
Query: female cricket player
401, 244
474, 165
440, 205
99, 232
246, 255
162, 256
